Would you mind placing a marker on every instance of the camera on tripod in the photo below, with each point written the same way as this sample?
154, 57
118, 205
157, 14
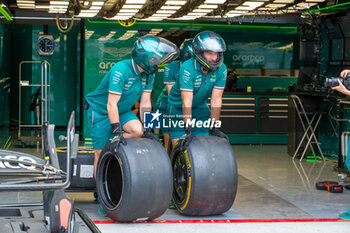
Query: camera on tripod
333, 82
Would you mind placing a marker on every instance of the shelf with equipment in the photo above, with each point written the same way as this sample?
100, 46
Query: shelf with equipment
41, 104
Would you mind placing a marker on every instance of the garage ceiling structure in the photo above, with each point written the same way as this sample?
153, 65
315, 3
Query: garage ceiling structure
158, 10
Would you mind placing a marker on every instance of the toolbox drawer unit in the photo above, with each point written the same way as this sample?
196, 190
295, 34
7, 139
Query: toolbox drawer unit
255, 118
238, 115
273, 115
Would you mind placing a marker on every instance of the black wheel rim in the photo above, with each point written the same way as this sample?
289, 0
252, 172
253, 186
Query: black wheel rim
112, 182
180, 178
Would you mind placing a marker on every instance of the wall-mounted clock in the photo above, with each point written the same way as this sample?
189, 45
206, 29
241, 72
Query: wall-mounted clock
45, 45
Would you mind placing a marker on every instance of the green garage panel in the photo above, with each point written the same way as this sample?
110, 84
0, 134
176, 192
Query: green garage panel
5, 77
65, 72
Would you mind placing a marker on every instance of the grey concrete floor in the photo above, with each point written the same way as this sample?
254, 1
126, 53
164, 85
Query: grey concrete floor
271, 186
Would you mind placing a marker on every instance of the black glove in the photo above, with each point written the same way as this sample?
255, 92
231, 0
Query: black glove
185, 140
149, 134
118, 137
218, 133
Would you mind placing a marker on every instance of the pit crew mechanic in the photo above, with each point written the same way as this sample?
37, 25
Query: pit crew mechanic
127, 81
202, 76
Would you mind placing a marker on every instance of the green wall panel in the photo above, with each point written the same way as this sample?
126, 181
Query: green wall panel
21, 50
246, 50
5, 77
65, 72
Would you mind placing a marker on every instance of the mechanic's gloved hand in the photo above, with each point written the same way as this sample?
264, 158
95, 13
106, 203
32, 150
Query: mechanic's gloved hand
149, 134
118, 137
218, 133
185, 140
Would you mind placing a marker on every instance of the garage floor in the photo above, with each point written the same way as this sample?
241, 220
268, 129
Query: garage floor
274, 193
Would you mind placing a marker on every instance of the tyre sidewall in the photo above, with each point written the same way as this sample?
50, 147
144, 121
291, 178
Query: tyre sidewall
116, 212
181, 206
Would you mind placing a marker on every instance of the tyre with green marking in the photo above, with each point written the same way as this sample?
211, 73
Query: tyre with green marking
136, 183
205, 176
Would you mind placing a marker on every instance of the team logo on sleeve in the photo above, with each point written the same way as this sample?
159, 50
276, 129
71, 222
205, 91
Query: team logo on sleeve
151, 120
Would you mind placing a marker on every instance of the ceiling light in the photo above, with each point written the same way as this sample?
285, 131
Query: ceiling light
236, 12
42, 6
125, 6
129, 10
154, 19
165, 12
161, 15
95, 8
296, 8
119, 18
245, 8
255, 4
275, 5
202, 10
214, 1
55, 11
28, 4
264, 9
306, 5
86, 15
170, 7
291, 11
208, 6
125, 14
59, 3
89, 11
283, 1
170, 2
92, 11
98, 3
192, 18
58, 9
196, 14
315, 0
135, 2
233, 15
213, 16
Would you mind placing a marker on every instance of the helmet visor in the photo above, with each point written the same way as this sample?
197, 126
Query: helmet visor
213, 45
167, 51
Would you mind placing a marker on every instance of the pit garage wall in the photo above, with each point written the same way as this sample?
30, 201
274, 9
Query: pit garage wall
259, 48
5, 88
65, 72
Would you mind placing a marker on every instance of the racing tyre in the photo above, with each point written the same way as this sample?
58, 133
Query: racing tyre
205, 176
136, 183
